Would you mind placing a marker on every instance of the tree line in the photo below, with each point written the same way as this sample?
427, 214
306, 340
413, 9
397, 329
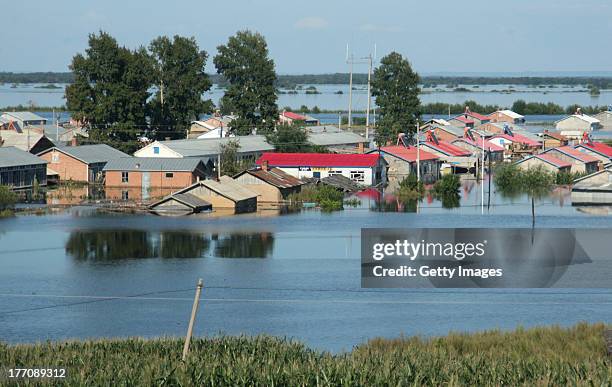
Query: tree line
119, 94
288, 81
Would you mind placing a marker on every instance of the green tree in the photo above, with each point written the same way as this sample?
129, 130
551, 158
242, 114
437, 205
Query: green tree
180, 80
395, 86
230, 163
110, 91
8, 198
251, 94
290, 139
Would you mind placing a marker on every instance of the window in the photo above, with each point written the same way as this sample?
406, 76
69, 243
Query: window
125, 177
125, 195
156, 150
55, 157
358, 176
334, 173
169, 175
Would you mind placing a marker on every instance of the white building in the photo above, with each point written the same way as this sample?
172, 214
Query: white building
575, 125
364, 169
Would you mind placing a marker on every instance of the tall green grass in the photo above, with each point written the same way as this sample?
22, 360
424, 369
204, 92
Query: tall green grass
536, 357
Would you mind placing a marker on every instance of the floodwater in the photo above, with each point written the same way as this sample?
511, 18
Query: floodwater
82, 274
329, 99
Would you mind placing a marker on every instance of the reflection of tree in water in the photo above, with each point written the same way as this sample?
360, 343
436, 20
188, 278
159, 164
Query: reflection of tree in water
255, 245
176, 244
396, 205
450, 200
110, 245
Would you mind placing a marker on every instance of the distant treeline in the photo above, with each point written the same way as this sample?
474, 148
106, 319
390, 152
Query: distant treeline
291, 81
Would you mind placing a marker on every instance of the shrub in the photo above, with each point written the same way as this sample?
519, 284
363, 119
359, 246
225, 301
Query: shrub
8, 198
447, 185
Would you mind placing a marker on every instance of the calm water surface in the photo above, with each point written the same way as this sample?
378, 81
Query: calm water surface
295, 275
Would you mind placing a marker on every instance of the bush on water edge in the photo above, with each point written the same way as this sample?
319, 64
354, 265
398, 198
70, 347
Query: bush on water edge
538, 356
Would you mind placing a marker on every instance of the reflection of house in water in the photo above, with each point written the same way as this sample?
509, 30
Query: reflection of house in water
595, 188
73, 194
245, 245
105, 245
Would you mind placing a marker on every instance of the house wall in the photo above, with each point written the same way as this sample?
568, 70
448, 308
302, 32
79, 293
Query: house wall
501, 117
461, 124
23, 176
535, 162
398, 169
156, 179
217, 201
577, 165
573, 123
149, 151
444, 135
267, 193
137, 194
66, 166
606, 120
322, 172
549, 142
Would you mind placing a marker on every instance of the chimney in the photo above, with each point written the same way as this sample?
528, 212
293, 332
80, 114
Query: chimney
73, 141
265, 165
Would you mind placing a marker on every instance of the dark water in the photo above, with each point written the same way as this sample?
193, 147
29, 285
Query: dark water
295, 275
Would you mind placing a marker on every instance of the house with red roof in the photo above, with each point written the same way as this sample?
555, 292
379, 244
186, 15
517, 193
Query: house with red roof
516, 144
475, 145
599, 150
365, 169
581, 162
402, 161
548, 162
290, 118
469, 119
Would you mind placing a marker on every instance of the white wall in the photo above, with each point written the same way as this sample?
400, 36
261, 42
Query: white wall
308, 172
150, 151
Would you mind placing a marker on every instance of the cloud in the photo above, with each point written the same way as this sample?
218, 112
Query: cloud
311, 23
369, 27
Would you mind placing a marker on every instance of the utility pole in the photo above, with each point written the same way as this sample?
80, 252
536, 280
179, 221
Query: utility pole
194, 311
418, 163
350, 107
482, 175
339, 120
56, 128
367, 133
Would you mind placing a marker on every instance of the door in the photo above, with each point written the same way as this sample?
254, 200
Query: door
146, 183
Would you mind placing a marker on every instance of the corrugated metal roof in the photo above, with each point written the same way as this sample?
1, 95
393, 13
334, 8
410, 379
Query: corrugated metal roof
89, 154
407, 153
192, 201
226, 187
23, 116
510, 114
583, 117
574, 153
11, 157
319, 160
276, 177
20, 140
335, 138
153, 164
211, 146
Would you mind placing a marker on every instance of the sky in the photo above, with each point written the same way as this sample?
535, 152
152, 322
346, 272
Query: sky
310, 37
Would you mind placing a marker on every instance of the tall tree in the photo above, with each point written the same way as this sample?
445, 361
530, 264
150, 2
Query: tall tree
110, 91
180, 80
395, 86
289, 139
251, 93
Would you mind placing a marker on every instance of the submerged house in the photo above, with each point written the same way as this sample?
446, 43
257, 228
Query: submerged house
402, 161
595, 188
580, 161
605, 119
447, 132
575, 125
475, 145
180, 204
469, 119
272, 184
21, 169
28, 140
547, 162
516, 144
225, 194
364, 169
144, 178
553, 139
17, 121
84, 163
599, 150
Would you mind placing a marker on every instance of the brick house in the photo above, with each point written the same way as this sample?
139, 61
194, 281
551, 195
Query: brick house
143, 178
84, 163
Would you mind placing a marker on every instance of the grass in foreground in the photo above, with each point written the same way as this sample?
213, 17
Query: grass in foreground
540, 356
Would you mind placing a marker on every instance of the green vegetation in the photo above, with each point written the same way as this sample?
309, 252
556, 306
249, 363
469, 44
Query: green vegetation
327, 197
180, 80
290, 139
251, 93
536, 183
552, 356
50, 86
410, 188
567, 178
231, 164
446, 189
8, 198
396, 89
